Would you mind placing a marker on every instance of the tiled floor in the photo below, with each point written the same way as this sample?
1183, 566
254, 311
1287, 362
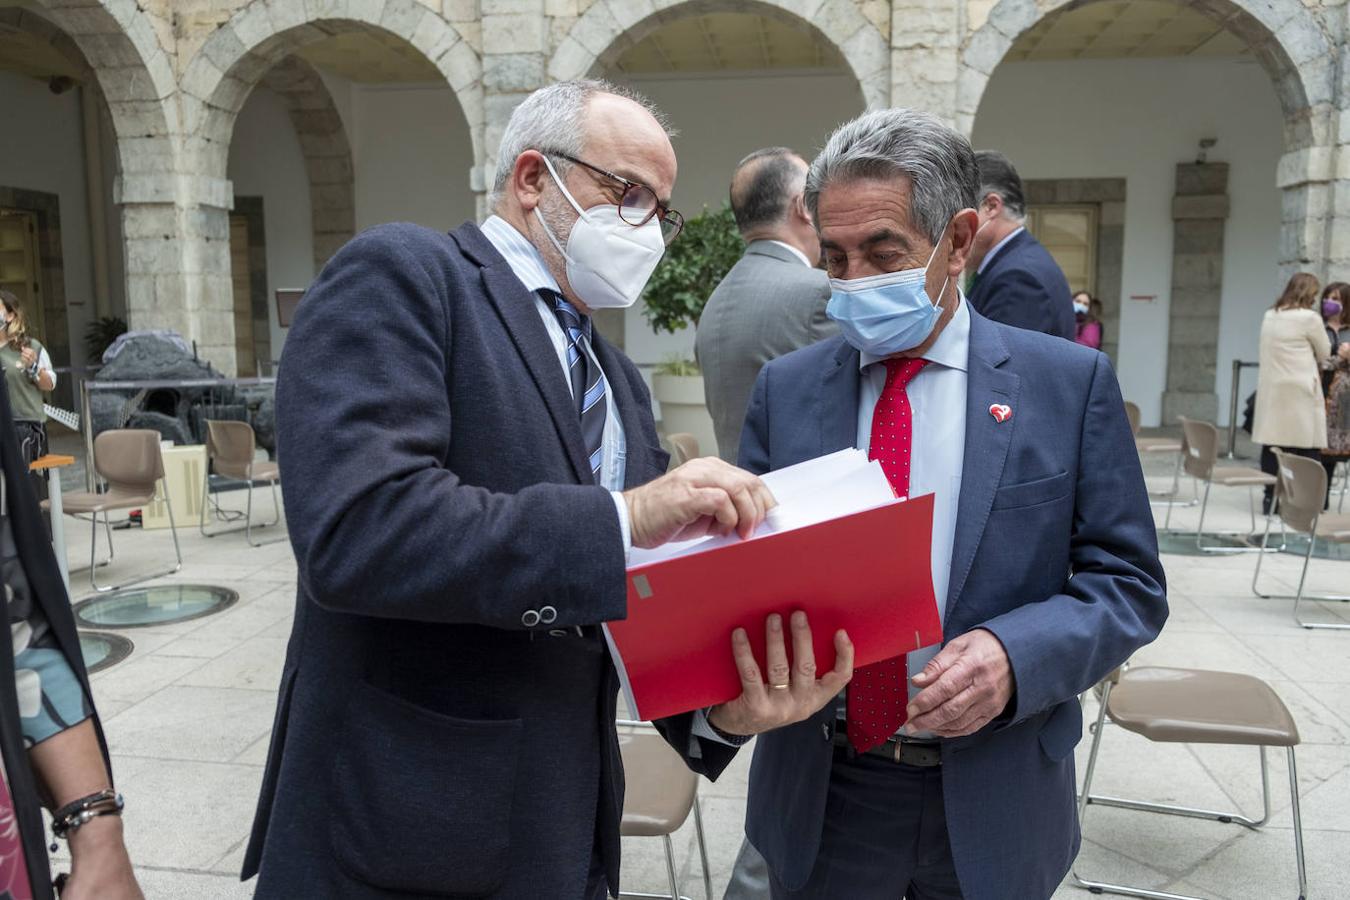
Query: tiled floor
188, 716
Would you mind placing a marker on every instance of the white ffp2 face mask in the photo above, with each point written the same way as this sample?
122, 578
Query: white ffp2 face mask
608, 260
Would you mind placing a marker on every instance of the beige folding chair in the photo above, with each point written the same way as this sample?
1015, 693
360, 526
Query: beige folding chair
1194, 706
130, 462
229, 451
683, 446
1300, 492
661, 790
1200, 452
1147, 446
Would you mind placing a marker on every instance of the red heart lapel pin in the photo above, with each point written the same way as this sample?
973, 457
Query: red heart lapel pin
1001, 412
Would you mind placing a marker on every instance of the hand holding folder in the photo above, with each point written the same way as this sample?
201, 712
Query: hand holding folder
839, 546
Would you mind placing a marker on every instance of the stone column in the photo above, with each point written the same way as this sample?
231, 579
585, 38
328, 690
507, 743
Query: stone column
515, 57
925, 55
1199, 211
176, 231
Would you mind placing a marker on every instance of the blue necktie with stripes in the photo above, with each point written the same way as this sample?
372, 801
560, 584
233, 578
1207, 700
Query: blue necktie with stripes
588, 382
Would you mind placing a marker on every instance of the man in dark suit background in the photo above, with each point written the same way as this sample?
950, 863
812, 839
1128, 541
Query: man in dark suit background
466, 464
1043, 551
773, 300
1013, 279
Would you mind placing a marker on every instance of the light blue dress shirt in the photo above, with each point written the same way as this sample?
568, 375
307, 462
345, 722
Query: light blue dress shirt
528, 266
937, 402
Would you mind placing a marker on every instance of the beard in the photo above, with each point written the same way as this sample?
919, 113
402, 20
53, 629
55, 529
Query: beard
559, 216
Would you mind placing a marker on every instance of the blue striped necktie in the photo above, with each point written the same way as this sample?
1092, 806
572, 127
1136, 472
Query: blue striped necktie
588, 382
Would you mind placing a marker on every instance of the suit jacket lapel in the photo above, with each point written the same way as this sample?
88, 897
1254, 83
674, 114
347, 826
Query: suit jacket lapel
516, 306
986, 449
837, 409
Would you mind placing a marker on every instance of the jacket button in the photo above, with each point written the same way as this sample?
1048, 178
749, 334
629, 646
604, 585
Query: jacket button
529, 618
547, 615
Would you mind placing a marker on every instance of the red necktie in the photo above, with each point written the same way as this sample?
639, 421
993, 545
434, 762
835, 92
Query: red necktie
879, 693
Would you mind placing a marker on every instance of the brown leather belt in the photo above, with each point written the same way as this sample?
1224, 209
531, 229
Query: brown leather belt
923, 754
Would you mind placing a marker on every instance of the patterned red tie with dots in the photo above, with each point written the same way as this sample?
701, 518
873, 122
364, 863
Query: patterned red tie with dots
879, 693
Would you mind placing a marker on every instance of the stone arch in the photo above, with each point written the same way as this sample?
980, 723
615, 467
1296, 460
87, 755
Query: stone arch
1287, 39
119, 45
610, 27
327, 153
219, 77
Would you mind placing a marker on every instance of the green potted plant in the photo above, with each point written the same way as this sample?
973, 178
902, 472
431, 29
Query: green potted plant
692, 267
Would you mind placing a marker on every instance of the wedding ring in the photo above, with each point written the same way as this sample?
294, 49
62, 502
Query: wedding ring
780, 687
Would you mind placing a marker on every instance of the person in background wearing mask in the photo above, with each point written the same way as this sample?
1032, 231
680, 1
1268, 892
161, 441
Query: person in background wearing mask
28, 375
1336, 379
949, 773
1089, 325
1334, 298
463, 485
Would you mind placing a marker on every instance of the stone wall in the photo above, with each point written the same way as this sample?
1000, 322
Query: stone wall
176, 72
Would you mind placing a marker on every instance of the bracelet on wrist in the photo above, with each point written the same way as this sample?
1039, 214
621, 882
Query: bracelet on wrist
76, 814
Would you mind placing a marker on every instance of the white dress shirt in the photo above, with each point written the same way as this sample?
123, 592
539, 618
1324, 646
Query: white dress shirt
795, 252
993, 251
528, 266
937, 402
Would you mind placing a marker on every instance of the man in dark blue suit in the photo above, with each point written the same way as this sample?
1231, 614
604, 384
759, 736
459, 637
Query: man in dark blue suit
1013, 279
466, 464
957, 781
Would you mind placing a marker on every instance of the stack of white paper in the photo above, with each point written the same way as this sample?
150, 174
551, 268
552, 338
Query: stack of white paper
817, 490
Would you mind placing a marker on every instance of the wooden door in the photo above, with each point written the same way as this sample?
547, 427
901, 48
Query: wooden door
21, 267
241, 277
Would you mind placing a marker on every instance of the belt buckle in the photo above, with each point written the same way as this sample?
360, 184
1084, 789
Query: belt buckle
897, 750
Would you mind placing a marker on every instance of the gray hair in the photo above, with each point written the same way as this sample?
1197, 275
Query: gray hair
937, 160
553, 118
999, 176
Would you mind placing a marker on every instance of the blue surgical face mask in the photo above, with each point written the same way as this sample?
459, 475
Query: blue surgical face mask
888, 313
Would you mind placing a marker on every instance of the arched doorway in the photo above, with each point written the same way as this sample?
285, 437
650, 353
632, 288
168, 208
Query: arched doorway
68, 158
323, 128
732, 78
1161, 142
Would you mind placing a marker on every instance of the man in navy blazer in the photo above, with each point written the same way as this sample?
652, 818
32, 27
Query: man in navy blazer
1044, 556
465, 465
1014, 280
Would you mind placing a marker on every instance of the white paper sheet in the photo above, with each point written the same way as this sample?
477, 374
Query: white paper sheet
817, 490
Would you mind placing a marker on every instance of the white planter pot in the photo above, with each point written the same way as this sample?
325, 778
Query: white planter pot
683, 409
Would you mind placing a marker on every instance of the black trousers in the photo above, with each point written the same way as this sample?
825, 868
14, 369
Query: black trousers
1269, 466
885, 836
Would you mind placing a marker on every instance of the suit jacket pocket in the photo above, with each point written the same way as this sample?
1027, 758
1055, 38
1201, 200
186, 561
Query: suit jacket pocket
1033, 493
1062, 731
423, 801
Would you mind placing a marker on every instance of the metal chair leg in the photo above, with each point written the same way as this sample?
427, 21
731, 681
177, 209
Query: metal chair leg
1087, 799
702, 850
1211, 548
177, 551
248, 525
1298, 827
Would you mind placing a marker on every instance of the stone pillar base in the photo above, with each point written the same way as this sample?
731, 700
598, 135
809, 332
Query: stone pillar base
1191, 404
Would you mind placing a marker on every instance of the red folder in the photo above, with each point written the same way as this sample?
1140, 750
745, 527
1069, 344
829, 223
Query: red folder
868, 573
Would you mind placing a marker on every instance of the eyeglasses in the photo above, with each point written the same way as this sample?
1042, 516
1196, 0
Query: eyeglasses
639, 203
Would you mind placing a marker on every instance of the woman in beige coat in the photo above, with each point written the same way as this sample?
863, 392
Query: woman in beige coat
1290, 411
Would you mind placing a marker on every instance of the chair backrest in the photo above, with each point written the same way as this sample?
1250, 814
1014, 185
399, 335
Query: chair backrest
1200, 448
129, 459
1132, 413
660, 790
684, 447
229, 447
1302, 489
